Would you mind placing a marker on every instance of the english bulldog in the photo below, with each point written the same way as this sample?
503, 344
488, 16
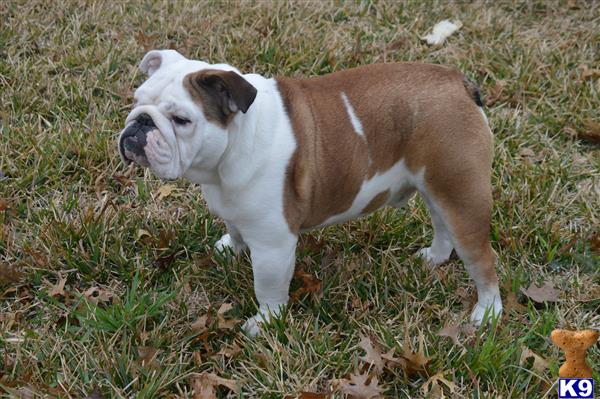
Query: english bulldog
276, 157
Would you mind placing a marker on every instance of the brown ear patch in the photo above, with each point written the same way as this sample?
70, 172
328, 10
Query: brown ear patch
220, 94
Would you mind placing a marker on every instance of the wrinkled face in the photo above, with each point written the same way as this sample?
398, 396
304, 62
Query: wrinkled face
181, 112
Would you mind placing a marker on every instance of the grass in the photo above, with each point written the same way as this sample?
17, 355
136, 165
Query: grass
70, 210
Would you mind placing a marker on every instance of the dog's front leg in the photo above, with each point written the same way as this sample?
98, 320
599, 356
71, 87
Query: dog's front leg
273, 261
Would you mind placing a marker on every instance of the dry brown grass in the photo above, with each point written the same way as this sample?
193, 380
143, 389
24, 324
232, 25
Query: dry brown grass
69, 209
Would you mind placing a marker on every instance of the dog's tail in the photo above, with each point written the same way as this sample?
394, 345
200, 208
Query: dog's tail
473, 91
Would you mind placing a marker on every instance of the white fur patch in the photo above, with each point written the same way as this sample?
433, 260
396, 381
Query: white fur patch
484, 115
356, 124
394, 179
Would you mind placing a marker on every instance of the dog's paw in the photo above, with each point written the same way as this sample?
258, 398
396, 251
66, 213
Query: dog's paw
431, 258
225, 244
252, 326
486, 309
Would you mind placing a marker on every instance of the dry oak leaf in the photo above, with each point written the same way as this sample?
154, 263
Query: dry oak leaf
390, 360
164, 191
416, 362
200, 325
591, 132
539, 363
147, 357
230, 351
511, 303
496, 93
587, 72
452, 331
97, 295
373, 356
360, 386
540, 294
224, 324
433, 386
526, 152
310, 284
9, 274
205, 383
58, 289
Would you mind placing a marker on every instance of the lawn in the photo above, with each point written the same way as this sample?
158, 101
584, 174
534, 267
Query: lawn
109, 285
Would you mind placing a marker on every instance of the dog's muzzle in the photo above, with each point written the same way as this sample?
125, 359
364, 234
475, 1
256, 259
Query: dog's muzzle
133, 140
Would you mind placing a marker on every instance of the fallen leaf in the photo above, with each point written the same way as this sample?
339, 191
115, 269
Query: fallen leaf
373, 356
496, 94
311, 244
230, 351
539, 363
416, 362
200, 325
9, 274
141, 233
526, 152
310, 284
511, 303
95, 395
147, 357
390, 360
587, 72
432, 388
165, 237
122, 180
164, 262
595, 243
97, 295
540, 294
204, 385
58, 289
3, 205
224, 308
224, 324
25, 393
360, 386
164, 191
589, 133
451, 331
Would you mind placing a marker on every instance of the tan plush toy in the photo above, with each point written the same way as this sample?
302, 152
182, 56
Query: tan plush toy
575, 345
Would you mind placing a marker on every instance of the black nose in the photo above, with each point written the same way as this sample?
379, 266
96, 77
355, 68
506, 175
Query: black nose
134, 137
145, 120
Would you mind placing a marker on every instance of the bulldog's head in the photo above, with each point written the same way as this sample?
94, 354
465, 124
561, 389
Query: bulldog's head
181, 113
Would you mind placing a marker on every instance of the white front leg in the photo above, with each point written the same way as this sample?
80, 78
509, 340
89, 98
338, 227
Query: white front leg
273, 260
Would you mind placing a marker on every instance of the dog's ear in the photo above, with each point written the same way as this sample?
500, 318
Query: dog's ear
220, 93
155, 59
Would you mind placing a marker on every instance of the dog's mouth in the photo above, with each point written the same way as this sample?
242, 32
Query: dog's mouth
134, 139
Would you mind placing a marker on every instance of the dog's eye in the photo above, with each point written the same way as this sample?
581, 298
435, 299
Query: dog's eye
180, 120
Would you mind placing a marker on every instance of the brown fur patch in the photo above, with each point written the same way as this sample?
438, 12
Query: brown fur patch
377, 202
410, 111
